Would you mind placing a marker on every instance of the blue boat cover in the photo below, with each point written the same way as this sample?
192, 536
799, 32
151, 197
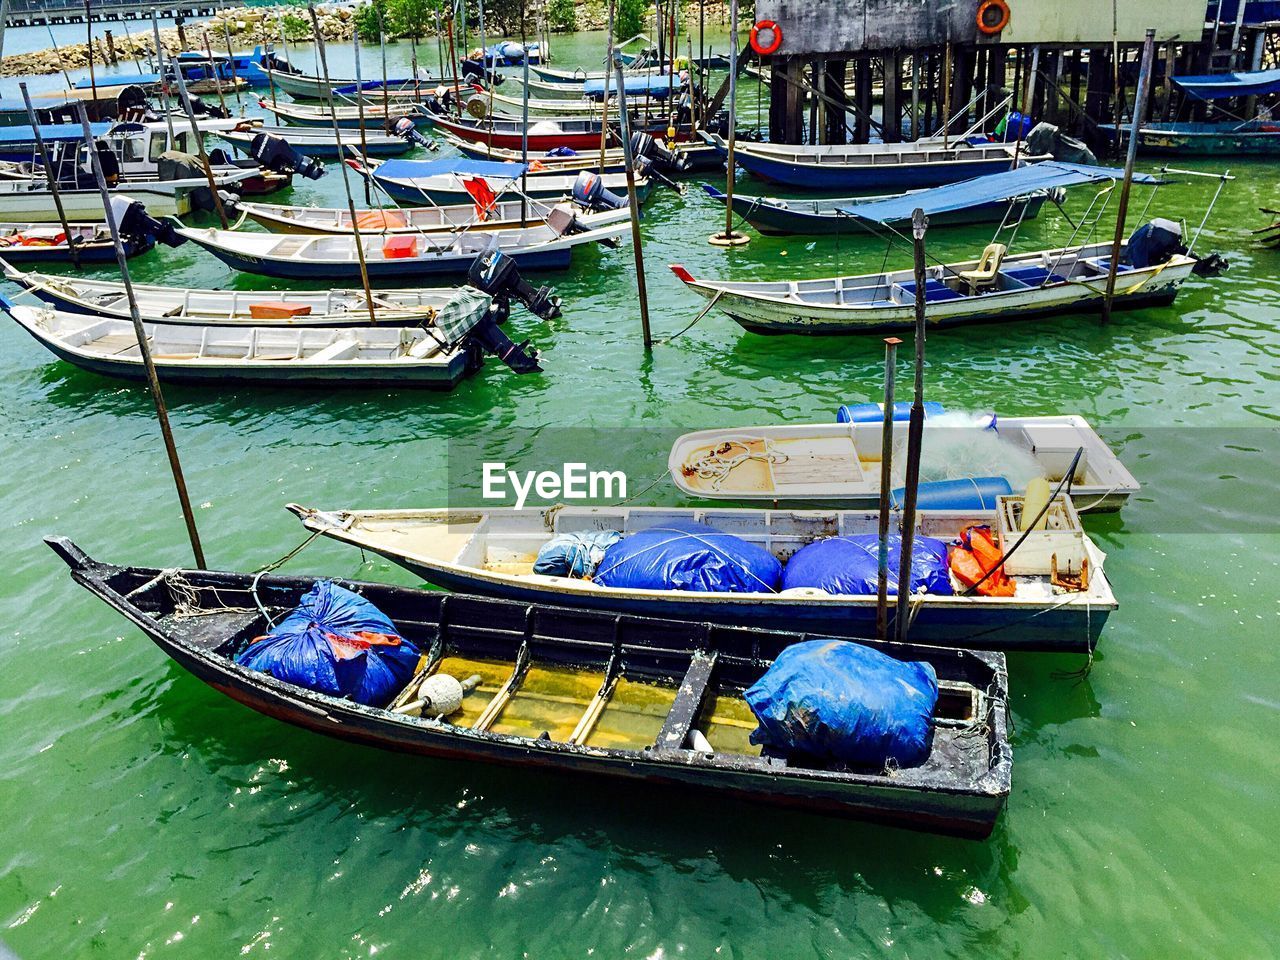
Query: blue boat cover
838, 700
576, 554
122, 80
653, 85
992, 188
1217, 86
686, 555
51, 132
371, 85
459, 166
849, 566
336, 642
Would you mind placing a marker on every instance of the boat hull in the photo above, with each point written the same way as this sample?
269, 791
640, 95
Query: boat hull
1203, 140
93, 251
944, 802
773, 220
865, 178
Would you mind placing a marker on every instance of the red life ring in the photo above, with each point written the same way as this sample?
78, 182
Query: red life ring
774, 44
993, 16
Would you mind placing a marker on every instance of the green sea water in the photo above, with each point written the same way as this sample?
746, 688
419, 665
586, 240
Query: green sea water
144, 815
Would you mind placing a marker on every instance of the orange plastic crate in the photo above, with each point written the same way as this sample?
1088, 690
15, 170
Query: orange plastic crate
278, 310
400, 247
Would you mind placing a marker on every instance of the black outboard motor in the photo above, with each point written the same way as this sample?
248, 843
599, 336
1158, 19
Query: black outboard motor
202, 109
134, 221
495, 273
521, 357
276, 154
663, 157
405, 130
474, 71
590, 194
1154, 243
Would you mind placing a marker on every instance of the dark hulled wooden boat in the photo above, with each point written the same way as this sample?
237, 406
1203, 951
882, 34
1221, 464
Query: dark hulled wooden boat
583, 691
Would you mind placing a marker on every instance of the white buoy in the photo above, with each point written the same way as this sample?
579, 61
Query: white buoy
441, 695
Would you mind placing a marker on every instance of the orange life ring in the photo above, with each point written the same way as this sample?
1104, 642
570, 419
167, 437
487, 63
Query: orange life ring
774, 44
993, 16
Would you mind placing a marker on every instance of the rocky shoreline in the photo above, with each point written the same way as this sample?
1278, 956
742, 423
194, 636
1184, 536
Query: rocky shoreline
248, 26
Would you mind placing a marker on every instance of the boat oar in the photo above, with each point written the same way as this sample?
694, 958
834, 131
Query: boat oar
50, 177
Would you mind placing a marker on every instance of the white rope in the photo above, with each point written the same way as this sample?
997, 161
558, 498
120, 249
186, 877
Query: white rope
717, 464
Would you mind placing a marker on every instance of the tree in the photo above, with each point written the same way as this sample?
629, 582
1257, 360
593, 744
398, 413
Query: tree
562, 15
629, 18
367, 20
412, 18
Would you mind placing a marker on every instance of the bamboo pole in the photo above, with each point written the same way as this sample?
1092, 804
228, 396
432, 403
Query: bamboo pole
633, 202
364, 139
164, 95
1139, 109
729, 238
604, 103
88, 27
886, 482
386, 94
342, 165
915, 437
217, 80
50, 177
231, 64
144, 348
204, 156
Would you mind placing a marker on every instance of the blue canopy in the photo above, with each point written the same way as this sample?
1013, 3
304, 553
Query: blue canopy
124, 80
653, 85
347, 88
459, 166
992, 188
51, 132
1218, 86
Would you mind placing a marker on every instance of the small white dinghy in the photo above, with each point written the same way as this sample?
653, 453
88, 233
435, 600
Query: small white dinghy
492, 552
838, 464
262, 356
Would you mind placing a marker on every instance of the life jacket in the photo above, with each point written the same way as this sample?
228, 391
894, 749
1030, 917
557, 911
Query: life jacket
974, 556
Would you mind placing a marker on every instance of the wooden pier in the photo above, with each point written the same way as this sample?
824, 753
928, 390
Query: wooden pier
38, 13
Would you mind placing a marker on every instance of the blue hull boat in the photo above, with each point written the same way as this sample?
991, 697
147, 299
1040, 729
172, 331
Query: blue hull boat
1255, 139
870, 167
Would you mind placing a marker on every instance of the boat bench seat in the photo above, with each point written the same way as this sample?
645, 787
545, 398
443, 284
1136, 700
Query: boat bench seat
340, 349
935, 291
1033, 275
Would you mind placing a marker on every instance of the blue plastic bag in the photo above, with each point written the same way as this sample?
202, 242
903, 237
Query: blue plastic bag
336, 642
684, 555
850, 566
576, 554
837, 700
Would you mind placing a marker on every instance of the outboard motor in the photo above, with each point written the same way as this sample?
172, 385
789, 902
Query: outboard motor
276, 154
1045, 138
1154, 243
662, 156
495, 273
590, 194
134, 221
521, 357
404, 129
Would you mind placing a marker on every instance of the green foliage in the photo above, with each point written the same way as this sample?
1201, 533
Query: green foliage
412, 18
629, 18
562, 14
296, 28
367, 20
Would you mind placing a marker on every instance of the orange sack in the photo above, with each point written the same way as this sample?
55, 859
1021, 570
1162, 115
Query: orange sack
973, 556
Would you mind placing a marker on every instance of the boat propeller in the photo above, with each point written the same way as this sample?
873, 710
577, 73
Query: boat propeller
403, 128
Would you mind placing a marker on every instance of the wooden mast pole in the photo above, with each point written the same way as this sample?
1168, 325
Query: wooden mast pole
886, 482
144, 348
729, 238
633, 202
51, 177
1139, 109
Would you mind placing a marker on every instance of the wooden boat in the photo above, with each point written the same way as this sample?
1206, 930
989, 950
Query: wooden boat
45, 243
698, 157
775, 216
503, 215
375, 115
636, 66
1269, 236
616, 696
441, 182
866, 168
321, 144
838, 464
302, 86
1228, 138
1037, 284
544, 134
492, 551
32, 201
259, 356
398, 257
183, 305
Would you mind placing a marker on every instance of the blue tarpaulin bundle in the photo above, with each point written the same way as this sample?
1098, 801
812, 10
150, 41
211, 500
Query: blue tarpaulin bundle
850, 565
576, 554
836, 700
684, 555
336, 642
